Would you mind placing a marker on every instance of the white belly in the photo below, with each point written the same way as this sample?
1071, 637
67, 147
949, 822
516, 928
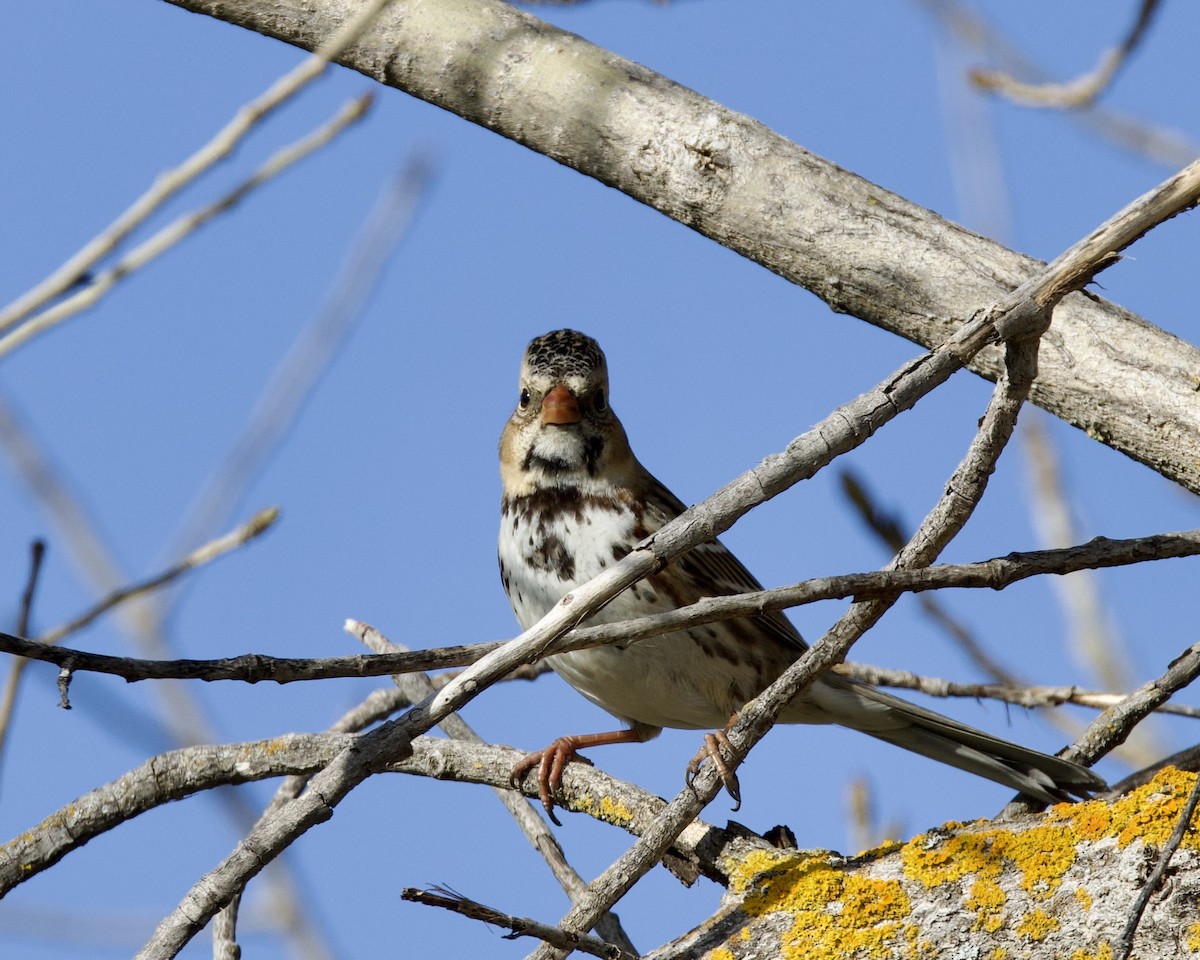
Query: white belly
666, 681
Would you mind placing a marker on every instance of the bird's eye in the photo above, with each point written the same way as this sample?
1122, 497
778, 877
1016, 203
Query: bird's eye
599, 401
524, 397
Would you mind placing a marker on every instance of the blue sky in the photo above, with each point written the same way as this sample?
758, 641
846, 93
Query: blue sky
388, 482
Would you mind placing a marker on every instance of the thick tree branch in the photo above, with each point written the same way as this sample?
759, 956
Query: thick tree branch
1058, 885
855, 245
190, 770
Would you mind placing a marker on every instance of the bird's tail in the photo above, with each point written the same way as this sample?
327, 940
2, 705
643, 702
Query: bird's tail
1049, 779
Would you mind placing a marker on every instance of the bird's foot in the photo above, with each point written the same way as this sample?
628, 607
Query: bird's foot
550, 764
714, 743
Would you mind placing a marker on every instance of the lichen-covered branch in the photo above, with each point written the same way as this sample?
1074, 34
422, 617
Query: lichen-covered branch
1057, 885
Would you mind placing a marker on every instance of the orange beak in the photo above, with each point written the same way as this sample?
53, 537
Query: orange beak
560, 407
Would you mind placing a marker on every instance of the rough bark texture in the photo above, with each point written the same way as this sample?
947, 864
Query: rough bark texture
860, 248
1057, 885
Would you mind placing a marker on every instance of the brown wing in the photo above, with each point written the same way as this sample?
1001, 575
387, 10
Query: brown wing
711, 569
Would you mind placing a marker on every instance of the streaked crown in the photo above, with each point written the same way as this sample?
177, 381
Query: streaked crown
561, 354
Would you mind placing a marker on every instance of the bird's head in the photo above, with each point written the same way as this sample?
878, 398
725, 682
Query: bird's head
563, 432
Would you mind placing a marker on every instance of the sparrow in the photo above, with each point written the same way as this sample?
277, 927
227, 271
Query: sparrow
576, 499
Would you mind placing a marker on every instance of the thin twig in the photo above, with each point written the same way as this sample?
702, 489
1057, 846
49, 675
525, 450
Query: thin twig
1125, 942
520, 926
168, 184
37, 553
253, 528
1160, 145
205, 554
1110, 728
12, 686
887, 527
418, 686
383, 230
1083, 90
101, 283
1090, 631
1032, 696
994, 574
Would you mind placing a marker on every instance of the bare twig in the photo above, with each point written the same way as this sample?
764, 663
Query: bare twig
8, 700
1110, 729
1167, 147
101, 283
37, 553
1090, 633
991, 574
887, 527
520, 926
382, 231
1023, 696
1083, 90
253, 528
171, 182
209, 552
1125, 942
225, 945
190, 770
418, 686
994, 574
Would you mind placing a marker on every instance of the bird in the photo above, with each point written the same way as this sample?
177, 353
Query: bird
576, 500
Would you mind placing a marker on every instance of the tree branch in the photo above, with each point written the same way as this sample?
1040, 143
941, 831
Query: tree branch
995, 574
1104, 370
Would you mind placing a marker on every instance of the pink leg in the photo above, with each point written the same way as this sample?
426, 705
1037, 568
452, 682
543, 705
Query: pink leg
553, 759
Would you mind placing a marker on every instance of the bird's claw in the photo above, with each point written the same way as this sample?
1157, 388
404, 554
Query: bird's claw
711, 751
550, 764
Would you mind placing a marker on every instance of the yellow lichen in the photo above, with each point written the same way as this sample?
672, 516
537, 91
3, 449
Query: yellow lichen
838, 914
1148, 813
1103, 953
749, 868
721, 954
607, 809
1042, 855
615, 813
835, 913
987, 900
1037, 925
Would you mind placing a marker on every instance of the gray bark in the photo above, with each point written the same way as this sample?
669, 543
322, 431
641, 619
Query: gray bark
863, 250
